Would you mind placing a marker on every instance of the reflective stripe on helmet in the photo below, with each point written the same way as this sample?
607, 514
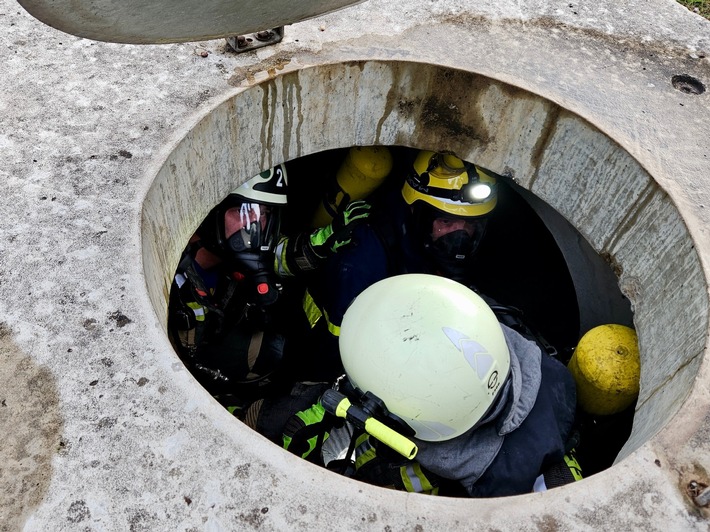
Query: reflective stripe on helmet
270, 187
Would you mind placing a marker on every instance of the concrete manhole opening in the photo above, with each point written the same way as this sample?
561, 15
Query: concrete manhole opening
605, 239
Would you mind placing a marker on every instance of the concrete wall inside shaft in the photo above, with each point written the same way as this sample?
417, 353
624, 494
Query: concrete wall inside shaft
562, 159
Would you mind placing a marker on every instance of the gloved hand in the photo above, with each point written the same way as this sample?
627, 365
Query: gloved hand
305, 252
307, 430
329, 239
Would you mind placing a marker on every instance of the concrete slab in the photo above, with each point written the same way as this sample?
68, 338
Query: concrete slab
105, 430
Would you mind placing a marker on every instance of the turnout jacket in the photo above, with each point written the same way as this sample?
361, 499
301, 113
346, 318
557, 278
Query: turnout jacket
524, 434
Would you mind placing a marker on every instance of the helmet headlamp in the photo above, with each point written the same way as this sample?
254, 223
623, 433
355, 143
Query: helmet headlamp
473, 192
480, 191
450, 185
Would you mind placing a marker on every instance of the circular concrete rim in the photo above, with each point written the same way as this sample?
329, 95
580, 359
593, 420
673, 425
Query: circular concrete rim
558, 156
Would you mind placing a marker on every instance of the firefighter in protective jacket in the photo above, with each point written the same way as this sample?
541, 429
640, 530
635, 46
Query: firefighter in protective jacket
489, 413
432, 224
229, 313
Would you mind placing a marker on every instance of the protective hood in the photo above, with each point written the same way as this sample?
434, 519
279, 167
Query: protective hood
467, 457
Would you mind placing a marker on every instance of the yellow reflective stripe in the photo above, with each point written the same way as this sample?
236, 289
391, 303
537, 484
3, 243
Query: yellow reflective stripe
198, 310
364, 451
280, 263
415, 480
287, 443
332, 327
312, 311
309, 418
364, 458
311, 443
362, 443
410, 481
574, 466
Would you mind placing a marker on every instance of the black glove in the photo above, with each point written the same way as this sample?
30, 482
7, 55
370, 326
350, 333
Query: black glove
307, 430
329, 239
306, 252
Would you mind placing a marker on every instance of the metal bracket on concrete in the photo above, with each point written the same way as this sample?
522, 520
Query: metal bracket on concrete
244, 43
700, 493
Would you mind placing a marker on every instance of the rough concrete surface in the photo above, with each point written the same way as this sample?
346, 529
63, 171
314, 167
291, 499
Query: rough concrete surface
103, 429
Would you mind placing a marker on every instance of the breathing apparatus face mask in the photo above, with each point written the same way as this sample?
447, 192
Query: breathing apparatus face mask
253, 230
251, 227
449, 241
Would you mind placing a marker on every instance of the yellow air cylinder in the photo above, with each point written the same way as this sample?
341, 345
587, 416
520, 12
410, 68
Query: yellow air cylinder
606, 367
362, 171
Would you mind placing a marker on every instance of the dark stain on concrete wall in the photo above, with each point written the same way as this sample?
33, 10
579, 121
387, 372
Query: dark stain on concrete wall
31, 428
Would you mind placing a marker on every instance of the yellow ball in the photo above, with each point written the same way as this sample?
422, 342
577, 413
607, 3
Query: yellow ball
607, 368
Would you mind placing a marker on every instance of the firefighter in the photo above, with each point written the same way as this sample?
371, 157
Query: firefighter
229, 314
432, 224
489, 413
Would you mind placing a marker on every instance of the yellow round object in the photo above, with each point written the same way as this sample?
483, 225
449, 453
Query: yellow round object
607, 368
362, 171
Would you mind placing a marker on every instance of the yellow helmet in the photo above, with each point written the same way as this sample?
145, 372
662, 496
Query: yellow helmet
447, 183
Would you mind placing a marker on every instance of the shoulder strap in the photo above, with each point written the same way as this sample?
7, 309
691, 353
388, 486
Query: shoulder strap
513, 318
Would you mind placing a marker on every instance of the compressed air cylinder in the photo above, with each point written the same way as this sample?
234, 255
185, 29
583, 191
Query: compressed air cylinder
606, 367
362, 171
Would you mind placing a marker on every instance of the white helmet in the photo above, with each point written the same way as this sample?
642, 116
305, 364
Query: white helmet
270, 187
430, 348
